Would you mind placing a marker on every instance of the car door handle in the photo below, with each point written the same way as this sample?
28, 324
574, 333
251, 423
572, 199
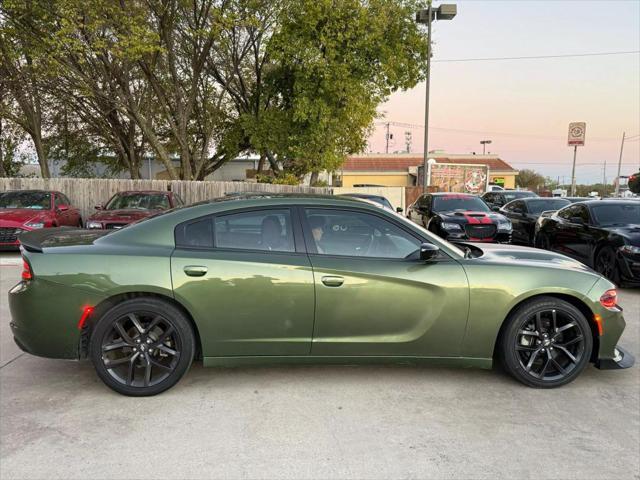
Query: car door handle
195, 270
332, 281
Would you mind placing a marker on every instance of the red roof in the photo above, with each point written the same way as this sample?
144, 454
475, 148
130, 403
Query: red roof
381, 163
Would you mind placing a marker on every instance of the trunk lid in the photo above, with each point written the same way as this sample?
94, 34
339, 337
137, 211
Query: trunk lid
37, 240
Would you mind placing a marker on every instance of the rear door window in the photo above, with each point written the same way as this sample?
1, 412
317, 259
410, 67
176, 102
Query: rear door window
269, 230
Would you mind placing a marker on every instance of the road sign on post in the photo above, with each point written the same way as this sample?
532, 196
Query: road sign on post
576, 137
576, 134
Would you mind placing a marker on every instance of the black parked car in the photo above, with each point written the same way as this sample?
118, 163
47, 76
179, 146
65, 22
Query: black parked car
497, 200
603, 234
460, 216
524, 213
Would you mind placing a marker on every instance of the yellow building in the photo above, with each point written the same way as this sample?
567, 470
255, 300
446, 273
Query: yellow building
401, 170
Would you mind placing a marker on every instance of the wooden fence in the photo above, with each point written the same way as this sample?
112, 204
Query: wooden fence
86, 193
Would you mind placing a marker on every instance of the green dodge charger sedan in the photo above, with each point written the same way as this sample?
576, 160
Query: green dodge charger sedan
295, 278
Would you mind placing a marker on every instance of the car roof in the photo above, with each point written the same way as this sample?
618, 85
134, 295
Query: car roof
443, 194
537, 199
144, 191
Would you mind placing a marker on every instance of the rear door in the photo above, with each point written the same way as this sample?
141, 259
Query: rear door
247, 281
374, 297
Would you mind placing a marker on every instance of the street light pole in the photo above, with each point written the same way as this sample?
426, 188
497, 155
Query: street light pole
443, 12
573, 172
425, 159
484, 144
619, 166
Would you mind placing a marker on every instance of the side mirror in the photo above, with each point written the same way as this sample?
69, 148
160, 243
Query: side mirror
62, 208
495, 208
577, 220
98, 207
428, 251
399, 210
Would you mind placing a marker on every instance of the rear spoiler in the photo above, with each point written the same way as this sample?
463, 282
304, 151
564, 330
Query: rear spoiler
37, 240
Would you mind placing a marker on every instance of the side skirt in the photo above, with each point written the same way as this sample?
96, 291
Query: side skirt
464, 362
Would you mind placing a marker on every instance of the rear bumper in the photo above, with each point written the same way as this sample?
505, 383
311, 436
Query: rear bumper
44, 317
622, 359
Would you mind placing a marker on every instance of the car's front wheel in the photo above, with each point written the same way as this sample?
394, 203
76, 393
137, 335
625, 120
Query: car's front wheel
546, 343
142, 346
607, 265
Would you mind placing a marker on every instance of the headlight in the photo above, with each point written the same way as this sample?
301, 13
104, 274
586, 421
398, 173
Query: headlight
630, 249
451, 226
34, 225
504, 225
93, 225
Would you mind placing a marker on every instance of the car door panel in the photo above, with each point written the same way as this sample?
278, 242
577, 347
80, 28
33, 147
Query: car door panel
389, 307
248, 303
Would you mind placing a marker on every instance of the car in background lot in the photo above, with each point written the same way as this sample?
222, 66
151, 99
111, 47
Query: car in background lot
460, 217
576, 199
128, 207
379, 199
360, 284
24, 210
603, 234
497, 200
524, 213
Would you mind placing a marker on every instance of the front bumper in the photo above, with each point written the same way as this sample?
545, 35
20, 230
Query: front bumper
500, 237
622, 359
629, 267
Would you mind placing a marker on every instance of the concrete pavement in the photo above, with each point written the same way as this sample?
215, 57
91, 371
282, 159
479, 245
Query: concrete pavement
57, 420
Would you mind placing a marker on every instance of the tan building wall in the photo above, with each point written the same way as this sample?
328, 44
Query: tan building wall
385, 179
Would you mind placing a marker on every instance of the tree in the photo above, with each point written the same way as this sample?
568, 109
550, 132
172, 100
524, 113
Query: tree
530, 179
634, 183
11, 160
25, 102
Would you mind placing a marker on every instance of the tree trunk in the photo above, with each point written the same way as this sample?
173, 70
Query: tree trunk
36, 136
274, 164
2, 172
261, 162
314, 178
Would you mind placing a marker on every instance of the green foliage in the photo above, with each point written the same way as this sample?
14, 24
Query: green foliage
282, 179
530, 179
634, 183
297, 81
11, 159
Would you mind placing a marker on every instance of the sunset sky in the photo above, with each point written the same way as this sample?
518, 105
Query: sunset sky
525, 106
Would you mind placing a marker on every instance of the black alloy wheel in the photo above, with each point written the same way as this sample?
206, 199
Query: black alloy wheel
547, 343
142, 347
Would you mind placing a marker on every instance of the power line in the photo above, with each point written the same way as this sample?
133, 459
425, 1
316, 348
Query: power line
536, 57
483, 132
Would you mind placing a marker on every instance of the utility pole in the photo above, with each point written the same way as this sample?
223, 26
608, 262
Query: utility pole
604, 179
386, 150
619, 167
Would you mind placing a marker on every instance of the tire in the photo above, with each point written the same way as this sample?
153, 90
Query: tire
539, 354
607, 265
79, 223
142, 346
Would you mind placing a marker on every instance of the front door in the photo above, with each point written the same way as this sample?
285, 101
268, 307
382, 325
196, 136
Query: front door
247, 281
374, 297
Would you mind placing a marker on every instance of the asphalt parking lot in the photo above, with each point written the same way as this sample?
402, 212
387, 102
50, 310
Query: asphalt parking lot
57, 420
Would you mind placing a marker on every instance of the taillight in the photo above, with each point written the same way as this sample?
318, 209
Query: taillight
27, 274
609, 298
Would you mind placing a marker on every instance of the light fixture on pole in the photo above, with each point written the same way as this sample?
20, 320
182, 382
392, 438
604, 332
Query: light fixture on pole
426, 16
484, 144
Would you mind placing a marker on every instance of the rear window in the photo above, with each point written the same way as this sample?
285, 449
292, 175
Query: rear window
139, 201
513, 195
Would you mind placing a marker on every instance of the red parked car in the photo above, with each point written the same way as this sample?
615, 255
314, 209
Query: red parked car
128, 207
24, 210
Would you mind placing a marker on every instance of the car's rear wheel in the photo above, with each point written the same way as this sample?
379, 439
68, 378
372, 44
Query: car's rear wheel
607, 265
546, 343
142, 346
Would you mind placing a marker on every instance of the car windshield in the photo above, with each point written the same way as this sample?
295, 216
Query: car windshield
539, 206
139, 201
616, 213
33, 200
449, 203
513, 195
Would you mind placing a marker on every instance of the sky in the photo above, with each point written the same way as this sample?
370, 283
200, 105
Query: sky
524, 106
